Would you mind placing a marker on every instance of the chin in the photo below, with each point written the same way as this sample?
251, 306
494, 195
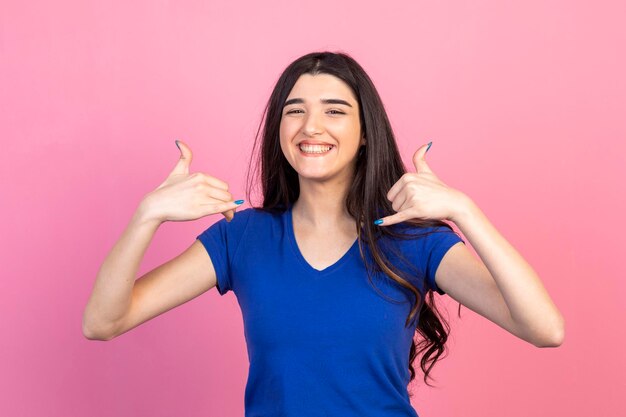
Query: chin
312, 177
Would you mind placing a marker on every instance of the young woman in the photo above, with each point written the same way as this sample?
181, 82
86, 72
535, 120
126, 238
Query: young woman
335, 271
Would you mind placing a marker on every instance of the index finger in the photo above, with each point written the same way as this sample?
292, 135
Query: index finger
216, 182
395, 218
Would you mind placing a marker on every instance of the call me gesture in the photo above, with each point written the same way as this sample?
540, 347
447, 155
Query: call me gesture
503, 288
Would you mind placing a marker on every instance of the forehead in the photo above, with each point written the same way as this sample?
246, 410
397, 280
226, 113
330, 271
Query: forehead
311, 87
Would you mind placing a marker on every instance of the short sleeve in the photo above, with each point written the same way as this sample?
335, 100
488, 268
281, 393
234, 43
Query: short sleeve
221, 241
436, 245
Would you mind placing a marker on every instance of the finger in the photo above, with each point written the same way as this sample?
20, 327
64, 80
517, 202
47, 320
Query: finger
419, 159
230, 214
399, 186
182, 166
399, 200
216, 182
399, 217
222, 207
219, 194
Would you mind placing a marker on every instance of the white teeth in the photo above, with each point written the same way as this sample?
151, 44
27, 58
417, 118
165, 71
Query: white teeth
315, 148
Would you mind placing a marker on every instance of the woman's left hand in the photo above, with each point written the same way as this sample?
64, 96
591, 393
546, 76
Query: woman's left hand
423, 195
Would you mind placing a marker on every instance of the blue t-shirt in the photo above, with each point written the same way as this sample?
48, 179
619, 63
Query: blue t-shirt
320, 343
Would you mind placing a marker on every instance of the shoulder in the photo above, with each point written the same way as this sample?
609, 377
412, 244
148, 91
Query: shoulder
421, 241
244, 216
223, 227
256, 214
250, 217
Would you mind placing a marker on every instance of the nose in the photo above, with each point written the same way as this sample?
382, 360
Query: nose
312, 124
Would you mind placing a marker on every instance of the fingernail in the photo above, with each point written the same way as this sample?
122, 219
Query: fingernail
239, 202
176, 142
429, 145
379, 221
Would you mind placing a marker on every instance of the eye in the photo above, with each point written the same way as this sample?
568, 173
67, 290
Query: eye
329, 111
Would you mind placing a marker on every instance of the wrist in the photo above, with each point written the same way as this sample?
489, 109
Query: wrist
145, 215
465, 209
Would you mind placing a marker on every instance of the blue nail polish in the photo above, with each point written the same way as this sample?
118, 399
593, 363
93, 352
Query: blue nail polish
429, 145
379, 221
176, 142
239, 202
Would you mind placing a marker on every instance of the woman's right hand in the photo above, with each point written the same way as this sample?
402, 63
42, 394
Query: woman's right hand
183, 197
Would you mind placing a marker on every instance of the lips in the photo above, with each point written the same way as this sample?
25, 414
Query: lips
314, 150
309, 142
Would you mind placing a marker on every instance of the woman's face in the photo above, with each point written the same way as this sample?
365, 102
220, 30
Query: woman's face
320, 131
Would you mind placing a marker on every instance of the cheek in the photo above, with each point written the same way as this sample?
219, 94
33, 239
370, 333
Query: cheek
288, 125
288, 131
349, 132
284, 139
285, 129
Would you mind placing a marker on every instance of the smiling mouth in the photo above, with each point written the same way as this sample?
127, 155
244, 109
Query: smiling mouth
315, 149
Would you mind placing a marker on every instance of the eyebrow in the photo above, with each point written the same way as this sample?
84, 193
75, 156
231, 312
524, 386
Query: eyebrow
323, 100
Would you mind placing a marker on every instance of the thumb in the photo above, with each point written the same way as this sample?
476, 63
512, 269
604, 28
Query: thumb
419, 159
182, 166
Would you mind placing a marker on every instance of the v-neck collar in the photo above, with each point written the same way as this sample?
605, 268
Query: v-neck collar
288, 219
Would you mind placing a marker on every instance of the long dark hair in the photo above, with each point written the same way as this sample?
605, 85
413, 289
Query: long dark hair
378, 167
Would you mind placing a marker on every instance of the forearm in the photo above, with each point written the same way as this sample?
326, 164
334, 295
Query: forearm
529, 304
112, 291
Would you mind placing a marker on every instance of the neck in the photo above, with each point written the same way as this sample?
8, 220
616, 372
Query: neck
322, 204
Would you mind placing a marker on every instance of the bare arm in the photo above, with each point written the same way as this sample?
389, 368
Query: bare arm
118, 303
501, 286
504, 288
112, 291
177, 281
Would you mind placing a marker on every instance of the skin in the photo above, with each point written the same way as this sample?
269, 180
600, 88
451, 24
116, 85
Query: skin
500, 285
318, 215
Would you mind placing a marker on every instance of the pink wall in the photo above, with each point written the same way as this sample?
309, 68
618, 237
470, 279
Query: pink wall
524, 102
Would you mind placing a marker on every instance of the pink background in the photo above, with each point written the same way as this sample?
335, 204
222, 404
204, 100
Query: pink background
524, 103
